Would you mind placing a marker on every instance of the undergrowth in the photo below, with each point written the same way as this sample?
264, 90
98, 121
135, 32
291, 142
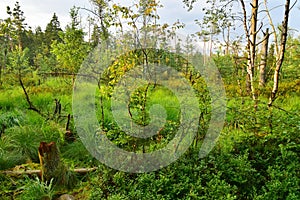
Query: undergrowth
256, 157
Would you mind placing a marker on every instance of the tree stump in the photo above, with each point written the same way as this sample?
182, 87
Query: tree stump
51, 165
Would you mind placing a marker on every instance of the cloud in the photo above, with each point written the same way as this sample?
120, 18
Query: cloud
39, 12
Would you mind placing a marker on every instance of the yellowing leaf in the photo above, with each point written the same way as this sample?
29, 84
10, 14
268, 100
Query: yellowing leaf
148, 11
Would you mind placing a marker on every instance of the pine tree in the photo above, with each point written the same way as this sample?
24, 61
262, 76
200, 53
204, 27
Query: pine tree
71, 52
52, 30
18, 26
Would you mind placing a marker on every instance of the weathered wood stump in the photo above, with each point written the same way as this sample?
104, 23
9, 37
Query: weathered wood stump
52, 167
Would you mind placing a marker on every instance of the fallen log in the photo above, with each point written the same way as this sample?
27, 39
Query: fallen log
51, 167
38, 172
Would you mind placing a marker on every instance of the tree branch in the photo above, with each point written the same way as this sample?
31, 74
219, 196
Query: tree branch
31, 106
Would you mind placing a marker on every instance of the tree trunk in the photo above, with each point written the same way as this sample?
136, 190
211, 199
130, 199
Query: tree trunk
251, 44
280, 57
0, 74
211, 43
264, 57
52, 167
228, 41
252, 47
272, 26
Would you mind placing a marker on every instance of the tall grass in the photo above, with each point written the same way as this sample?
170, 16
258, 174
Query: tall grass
38, 190
10, 155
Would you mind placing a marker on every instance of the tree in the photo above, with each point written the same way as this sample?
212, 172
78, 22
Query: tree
281, 53
251, 30
102, 16
12, 32
52, 30
18, 42
96, 36
218, 19
44, 59
251, 36
18, 62
101, 21
292, 58
264, 58
16, 20
71, 52
4, 41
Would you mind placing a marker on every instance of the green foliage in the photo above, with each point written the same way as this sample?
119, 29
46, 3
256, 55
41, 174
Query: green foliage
289, 70
16, 24
10, 155
71, 52
18, 61
218, 16
10, 119
256, 157
76, 155
26, 139
37, 190
52, 30
254, 167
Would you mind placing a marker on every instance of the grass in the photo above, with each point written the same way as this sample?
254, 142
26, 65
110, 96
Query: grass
38, 190
248, 161
23, 142
76, 155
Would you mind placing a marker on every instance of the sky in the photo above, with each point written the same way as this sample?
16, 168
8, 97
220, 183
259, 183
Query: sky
39, 12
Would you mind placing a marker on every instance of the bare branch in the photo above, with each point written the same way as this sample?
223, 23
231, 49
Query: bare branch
272, 26
31, 106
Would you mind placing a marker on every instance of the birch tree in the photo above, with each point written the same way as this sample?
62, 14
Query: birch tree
282, 48
252, 26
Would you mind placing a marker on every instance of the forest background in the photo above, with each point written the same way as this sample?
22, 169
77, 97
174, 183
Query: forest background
257, 153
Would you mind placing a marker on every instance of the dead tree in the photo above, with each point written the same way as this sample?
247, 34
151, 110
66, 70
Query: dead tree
280, 56
69, 135
57, 110
251, 44
31, 106
51, 165
264, 57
